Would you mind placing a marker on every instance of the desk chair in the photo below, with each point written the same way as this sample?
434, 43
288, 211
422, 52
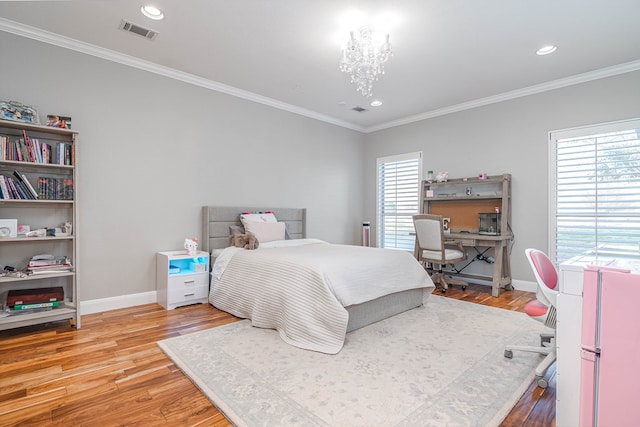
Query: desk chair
543, 309
430, 249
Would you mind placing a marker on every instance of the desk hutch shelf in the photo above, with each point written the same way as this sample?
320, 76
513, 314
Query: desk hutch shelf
462, 200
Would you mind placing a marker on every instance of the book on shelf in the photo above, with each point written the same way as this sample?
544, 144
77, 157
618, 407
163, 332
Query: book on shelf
48, 261
27, 149
12, 187
31, 306
55, 188
4, 189
46, 264
50, 269
22, 179
13, 192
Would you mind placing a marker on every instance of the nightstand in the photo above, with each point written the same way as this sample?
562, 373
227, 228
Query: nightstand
182, 279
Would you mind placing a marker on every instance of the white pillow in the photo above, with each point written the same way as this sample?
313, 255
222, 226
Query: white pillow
266, 231
258, 217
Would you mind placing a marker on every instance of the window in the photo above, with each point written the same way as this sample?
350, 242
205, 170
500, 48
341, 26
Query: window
398, 199
595, 190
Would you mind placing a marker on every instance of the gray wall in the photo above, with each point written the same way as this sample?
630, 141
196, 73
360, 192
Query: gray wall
153, 150
507, 137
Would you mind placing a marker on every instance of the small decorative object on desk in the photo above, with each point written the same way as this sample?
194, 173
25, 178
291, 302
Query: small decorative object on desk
442, 176
482, 175
191, 245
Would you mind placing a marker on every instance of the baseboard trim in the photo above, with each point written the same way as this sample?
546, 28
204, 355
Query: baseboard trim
524, 285
131, 300
520, 285
114, 303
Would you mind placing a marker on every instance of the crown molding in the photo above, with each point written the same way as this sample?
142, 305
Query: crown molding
110, 55
519, 93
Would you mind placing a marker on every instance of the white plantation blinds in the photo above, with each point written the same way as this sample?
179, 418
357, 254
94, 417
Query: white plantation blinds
398, 200
597, 190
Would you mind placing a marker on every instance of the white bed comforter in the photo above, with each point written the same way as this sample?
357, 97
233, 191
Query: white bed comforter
300, 287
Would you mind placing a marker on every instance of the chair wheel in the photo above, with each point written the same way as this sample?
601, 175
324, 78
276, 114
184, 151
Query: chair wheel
508, 354
464, 288
443, 290
542, 382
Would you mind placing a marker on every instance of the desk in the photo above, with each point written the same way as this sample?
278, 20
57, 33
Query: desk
502, 266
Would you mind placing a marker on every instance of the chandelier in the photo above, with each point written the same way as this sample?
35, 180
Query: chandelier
364, 59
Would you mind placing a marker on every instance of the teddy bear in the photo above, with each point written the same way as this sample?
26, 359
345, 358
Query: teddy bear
247, 240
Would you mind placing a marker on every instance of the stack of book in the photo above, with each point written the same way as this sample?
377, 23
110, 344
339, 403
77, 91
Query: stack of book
46, 264
29, 300
17, 187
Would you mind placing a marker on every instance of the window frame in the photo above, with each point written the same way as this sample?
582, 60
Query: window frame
380, 228
577, 132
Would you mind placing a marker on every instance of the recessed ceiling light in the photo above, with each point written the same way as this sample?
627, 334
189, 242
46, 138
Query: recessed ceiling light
152, 12
376, 103
546, 50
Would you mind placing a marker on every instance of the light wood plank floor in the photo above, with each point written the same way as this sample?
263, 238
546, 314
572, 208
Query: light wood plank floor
111, 373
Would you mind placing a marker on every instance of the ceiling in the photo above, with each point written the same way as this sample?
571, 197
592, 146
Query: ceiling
448, 54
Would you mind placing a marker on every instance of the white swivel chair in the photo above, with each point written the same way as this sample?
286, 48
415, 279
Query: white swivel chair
543, 309
430, 249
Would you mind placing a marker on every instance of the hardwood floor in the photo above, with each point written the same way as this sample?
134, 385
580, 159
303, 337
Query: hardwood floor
112, 373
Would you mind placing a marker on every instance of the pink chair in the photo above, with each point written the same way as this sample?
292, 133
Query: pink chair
543, 309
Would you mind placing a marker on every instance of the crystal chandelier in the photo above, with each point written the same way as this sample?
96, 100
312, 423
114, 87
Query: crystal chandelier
364, 59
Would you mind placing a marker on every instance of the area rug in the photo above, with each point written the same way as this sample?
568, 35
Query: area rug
441, 364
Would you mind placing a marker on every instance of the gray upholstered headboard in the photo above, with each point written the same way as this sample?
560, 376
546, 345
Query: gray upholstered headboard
217, 219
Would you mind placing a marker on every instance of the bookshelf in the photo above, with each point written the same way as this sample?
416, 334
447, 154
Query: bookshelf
38, 183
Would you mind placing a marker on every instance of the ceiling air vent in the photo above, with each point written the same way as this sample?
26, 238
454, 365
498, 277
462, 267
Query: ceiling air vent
130, 27
359, 109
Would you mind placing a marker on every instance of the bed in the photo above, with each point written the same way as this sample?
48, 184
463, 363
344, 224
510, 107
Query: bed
346, 287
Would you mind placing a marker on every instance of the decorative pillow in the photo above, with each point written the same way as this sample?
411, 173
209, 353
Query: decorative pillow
266, 216
266, 231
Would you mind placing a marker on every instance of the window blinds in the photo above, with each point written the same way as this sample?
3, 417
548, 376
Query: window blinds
398, 199
597, 191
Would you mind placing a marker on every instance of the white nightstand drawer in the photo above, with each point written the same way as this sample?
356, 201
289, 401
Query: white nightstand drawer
189, 287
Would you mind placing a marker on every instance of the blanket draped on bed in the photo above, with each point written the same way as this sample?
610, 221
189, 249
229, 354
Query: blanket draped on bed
301, 287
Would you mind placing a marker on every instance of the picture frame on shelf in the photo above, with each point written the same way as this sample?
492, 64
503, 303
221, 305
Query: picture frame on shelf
58, 121
8, 228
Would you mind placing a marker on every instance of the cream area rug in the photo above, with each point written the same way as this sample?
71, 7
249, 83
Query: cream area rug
441, 364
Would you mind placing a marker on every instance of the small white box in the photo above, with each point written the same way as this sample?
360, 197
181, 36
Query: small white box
8, 228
